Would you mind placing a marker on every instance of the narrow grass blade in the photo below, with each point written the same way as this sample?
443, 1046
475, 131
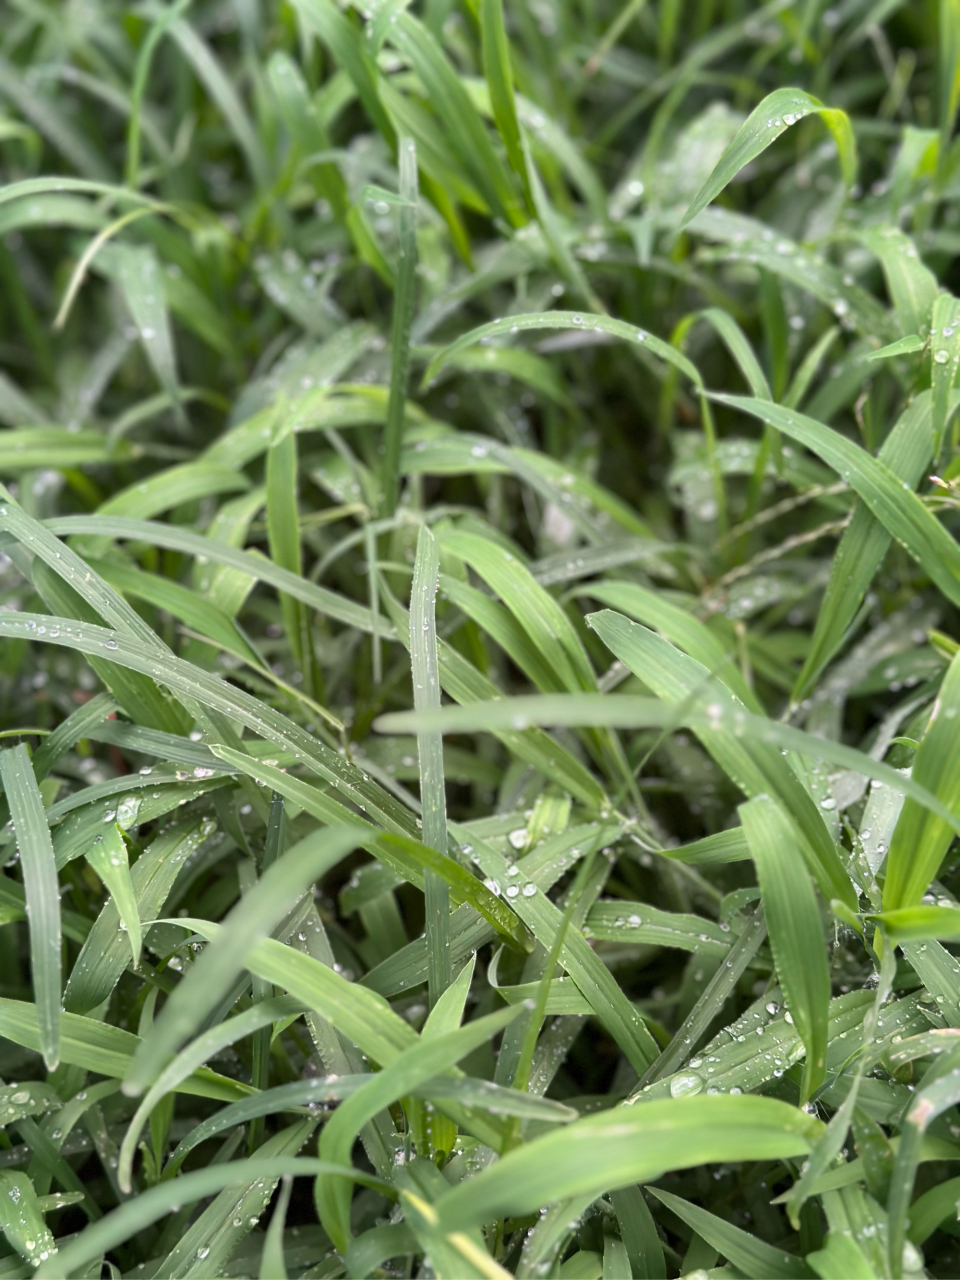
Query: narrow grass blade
499, 76
897, 508
939, 1092
156, 1202
283, 534
404, 302
753, 1257
921, 839
42, 893
104, 1049
426, 696
563, 320
105, 953
945, 361
775, 114
108, 858
796, 931
907, 452
272, 1262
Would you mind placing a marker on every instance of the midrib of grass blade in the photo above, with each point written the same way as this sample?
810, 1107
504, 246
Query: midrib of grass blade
404, 301
426, 695
42, 894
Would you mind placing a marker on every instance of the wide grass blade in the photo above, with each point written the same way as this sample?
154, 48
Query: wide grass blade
615, 1149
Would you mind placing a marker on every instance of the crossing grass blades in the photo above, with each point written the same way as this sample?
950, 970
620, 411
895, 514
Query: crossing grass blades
479, 624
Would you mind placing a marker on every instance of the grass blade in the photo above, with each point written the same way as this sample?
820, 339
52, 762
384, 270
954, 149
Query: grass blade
404, 302
42, 894
796, 932
775, 114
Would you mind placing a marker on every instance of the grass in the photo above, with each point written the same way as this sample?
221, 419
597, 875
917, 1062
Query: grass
480, 748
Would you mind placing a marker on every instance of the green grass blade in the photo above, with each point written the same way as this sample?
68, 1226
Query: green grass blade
898, 509
775, 114
753, 1257
921, 839
606, 1152
796, 933
404, 302
426, 696
42, 894
108, 858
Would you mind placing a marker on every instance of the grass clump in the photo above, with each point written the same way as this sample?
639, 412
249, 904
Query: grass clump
481, 710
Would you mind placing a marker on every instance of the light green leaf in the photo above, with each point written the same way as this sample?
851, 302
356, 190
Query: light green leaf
775, 114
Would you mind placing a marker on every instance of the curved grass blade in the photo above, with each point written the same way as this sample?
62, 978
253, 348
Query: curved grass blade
42, 894
775, 114
206, 1046
628, 712
617, 1148
21, 1219
272, 1262
104, 955
158, 1201
563, 320
753, 1257
472, 1094
174, 538
106, 1050
183, 677
907, 452
893, 503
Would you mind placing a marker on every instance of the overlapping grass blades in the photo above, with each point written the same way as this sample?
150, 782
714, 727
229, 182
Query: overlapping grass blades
478, 620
